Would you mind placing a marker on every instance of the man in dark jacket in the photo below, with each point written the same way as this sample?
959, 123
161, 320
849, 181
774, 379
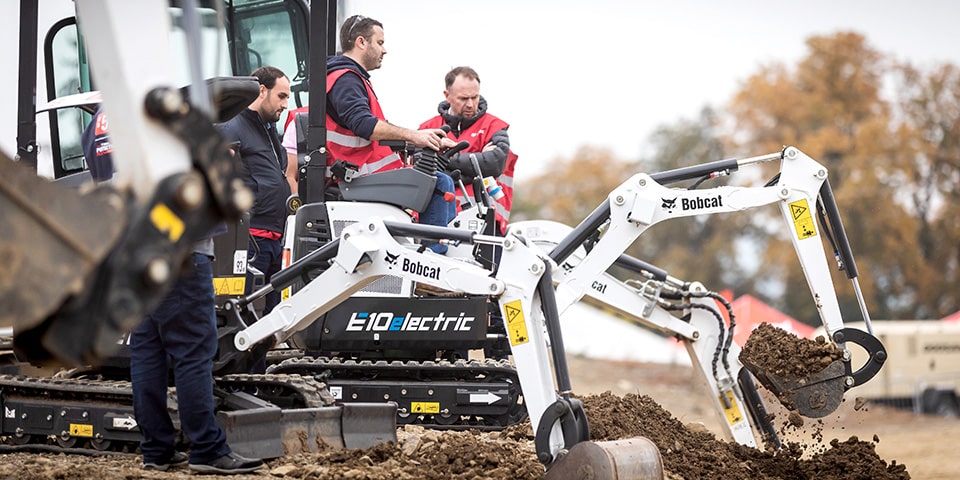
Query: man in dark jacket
264, 166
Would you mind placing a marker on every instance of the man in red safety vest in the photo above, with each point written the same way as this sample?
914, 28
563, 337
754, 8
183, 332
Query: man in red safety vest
355, 122
465, 111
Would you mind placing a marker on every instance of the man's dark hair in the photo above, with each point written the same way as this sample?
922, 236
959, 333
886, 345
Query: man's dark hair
356, 26
467, 72
267, 76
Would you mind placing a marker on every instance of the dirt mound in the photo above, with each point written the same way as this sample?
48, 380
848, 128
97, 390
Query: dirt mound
692, 453
688, 453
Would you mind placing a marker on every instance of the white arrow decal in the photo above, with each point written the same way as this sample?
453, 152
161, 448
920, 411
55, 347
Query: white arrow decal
485, 397
127, 423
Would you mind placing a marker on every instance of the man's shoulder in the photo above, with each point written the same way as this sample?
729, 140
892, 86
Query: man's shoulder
434, 122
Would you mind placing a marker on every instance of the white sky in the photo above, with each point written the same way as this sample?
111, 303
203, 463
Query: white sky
570, 73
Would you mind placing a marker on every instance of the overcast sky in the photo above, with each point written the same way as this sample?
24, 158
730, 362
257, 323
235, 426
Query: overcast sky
570, 73
607, 72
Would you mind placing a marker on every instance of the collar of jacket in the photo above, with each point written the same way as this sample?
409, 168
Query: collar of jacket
456, 122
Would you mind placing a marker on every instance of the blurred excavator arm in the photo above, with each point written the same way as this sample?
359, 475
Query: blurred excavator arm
83, 267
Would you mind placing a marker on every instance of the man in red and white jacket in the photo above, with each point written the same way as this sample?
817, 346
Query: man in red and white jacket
465, 111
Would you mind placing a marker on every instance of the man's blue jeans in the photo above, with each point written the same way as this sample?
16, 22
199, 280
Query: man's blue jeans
182, 331
439, 211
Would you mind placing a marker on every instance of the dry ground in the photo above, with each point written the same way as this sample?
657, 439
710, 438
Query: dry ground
925, 445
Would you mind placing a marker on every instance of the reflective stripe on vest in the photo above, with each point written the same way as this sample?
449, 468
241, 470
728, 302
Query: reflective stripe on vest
343, 144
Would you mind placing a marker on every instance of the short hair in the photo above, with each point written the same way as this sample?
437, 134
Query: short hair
267, 76
356, 26
467, 72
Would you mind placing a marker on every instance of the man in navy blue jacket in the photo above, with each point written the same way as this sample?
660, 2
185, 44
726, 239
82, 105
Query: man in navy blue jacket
264, 166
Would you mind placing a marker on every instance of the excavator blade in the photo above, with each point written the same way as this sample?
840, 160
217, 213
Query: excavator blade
815, 396
634, 458
272, 432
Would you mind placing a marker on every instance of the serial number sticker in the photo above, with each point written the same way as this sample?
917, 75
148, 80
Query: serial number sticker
239, 262
733, 413
425, 407
516, 324
81, 430
802, 220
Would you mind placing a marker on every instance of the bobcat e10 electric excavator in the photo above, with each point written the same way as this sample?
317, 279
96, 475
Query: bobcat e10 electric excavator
365, 251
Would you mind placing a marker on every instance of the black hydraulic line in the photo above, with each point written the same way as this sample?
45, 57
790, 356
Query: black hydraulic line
548, 302
696, 171
757, 410
636, 265
581, 233
315, 259
833, 215
27, 90
432, 232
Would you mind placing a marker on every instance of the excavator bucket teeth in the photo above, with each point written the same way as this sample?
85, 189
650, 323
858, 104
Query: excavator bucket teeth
634, 458
815, 396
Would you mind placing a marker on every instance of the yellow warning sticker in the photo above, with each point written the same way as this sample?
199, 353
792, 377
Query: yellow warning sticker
229, 285
425, 407
166, 221
802, 219
516, 324
81, 430
733, 413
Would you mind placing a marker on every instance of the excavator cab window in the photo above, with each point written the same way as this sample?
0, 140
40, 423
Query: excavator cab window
62, 51
239, 36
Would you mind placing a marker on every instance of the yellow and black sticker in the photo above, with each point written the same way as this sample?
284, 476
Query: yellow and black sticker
516, 323
425, 407
802, 219
81, 430
166, 221
733, 413
229, 285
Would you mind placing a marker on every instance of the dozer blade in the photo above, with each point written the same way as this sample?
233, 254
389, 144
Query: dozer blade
634, 458
272, 432
814, 397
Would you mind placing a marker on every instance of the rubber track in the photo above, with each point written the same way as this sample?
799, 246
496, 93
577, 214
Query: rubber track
464, 370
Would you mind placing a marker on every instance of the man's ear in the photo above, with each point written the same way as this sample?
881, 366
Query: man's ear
263, 91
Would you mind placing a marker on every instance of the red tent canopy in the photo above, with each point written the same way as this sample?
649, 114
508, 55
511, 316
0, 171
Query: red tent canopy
749, 313
953, 317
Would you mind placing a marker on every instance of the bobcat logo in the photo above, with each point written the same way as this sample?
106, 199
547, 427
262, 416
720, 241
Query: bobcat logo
391, 258
669, 205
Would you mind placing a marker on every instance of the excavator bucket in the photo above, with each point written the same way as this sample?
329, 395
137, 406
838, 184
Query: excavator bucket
50, 235
634, 458
815, 396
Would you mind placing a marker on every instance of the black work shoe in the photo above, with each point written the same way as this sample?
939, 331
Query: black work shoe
228, 464
176, 460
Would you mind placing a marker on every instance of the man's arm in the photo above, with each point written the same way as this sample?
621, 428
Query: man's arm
290, 145
492, 159
350, 108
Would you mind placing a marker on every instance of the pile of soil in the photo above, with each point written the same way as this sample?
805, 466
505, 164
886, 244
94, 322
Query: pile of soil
694, 453
786, 355
688, 452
